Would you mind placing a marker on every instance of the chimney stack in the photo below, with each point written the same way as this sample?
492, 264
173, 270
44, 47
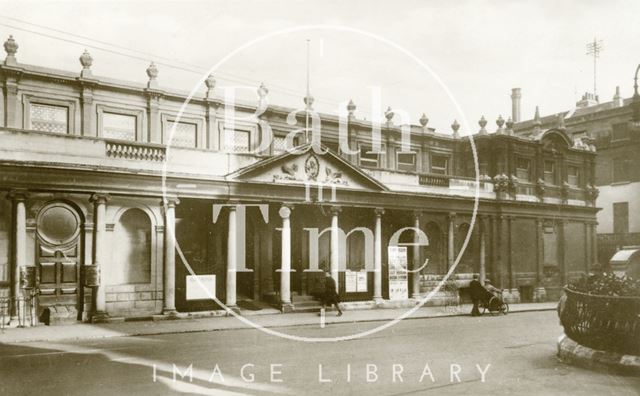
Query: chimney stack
515, 104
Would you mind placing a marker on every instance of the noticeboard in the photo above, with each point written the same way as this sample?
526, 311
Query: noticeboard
398, 276
201, 287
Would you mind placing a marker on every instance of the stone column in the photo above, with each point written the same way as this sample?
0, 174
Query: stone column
335, 244
415, 274
483, 264
539, 294
169, 289
99, 231
561, 252
232, 264
377, 257
451, 240
19, 198
513, 284
594, 246
285, 266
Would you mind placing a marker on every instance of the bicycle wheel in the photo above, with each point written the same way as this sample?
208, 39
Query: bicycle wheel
504, 308
494, 305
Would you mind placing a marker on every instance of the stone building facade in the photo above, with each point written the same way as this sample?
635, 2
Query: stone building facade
114, 195
610, 128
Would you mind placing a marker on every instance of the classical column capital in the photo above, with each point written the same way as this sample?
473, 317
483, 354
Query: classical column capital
379, 212
285, 211
416, 214
335, 210
100, 198
451, 215
18, 195
170, 202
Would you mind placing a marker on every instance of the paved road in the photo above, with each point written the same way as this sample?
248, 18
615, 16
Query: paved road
432, 356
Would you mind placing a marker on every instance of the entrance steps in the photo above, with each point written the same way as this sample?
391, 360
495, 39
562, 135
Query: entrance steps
305, 303
59, 315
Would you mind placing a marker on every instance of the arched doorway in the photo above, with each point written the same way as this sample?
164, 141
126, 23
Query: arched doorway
59, 258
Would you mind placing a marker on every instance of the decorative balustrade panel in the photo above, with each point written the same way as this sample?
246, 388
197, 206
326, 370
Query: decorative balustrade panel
434, 180
135, 151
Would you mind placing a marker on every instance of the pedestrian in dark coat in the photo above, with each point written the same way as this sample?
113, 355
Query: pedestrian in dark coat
477, 292
331, 296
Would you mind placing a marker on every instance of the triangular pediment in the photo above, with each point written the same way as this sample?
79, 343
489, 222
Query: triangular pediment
304, 166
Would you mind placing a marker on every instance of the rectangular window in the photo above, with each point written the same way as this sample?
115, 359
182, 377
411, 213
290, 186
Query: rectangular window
523, 169
406, 161
48, 118
621, 217
119, 126
237, 141
620, 170
368, 158
439, 164
573, 175
620, 131
279, 144
185, 134
550, 172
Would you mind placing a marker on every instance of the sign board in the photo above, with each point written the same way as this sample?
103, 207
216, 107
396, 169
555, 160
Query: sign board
355, 281
202, 290
398, 275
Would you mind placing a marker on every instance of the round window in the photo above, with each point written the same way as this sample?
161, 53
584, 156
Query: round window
58, 224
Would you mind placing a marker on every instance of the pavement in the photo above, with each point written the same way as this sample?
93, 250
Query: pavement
456, 355
268, 320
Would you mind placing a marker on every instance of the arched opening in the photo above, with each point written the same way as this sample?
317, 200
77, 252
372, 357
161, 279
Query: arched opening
131, 261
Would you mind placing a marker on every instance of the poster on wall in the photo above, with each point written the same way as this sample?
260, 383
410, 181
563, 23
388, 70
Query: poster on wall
398, 276
202, 290
355, 281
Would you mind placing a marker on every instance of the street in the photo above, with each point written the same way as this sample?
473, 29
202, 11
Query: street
513, 354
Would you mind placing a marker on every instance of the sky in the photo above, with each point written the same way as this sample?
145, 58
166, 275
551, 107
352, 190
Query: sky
447, 59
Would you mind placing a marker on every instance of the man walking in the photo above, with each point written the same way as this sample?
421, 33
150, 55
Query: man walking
477, 292
331, 296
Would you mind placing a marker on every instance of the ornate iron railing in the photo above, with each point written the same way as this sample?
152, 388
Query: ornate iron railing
602, 322
21, 310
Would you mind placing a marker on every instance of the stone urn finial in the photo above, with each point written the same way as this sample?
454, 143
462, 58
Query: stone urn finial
424, 120
86, 60
308, 102
210, 83
10, 47
483, 123
351, 107
509, 126
152, 72
500, 122
389, 114
263, 91
455, 127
